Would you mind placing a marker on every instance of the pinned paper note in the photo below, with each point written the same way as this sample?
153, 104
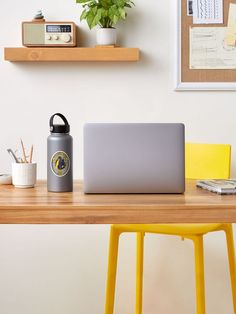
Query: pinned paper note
230, 37
208, 11
208, 49
232, 15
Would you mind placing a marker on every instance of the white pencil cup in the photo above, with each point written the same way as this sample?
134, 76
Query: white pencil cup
24, 175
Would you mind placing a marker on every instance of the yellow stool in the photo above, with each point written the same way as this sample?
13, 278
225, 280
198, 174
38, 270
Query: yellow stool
203, 161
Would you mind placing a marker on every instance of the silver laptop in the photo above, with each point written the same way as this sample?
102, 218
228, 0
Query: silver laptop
134, 158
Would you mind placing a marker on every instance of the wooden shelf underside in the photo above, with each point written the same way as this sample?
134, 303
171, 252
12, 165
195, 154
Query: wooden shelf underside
20, 54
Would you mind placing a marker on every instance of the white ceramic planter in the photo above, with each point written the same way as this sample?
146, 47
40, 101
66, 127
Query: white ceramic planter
106, 36
24, 175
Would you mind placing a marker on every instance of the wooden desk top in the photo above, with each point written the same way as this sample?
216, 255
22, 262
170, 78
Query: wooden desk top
37, 206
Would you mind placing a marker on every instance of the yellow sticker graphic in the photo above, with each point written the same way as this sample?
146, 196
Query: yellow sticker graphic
60, 164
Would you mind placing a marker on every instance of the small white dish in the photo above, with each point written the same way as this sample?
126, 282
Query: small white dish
5, 179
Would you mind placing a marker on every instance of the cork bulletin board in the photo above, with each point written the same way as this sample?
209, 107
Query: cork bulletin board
188, 78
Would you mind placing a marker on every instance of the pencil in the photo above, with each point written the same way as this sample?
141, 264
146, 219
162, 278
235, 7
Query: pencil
23, 150
31, 153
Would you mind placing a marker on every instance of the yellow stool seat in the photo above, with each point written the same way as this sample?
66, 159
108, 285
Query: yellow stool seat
202, 161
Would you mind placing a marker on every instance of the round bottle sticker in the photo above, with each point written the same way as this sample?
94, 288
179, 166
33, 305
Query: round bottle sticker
60, 164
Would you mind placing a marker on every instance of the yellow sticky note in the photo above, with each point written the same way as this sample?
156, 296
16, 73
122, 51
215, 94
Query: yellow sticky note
230, 39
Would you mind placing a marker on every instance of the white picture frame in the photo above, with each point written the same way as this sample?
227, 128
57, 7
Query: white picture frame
188, 86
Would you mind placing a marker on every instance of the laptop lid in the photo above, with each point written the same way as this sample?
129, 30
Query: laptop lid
134, 158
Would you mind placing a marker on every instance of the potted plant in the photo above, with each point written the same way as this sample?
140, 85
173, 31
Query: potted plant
106, 14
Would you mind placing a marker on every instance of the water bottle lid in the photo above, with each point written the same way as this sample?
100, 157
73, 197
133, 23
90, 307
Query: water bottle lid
59, 128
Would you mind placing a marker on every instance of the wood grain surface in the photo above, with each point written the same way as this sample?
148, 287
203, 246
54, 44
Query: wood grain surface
190, 75
37, 206
20, 54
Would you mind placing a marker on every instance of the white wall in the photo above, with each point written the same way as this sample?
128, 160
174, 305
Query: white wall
62, 269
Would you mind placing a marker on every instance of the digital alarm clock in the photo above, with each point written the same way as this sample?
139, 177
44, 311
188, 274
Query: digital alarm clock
48, 34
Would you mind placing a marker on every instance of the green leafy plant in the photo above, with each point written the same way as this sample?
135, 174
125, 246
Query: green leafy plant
105, 13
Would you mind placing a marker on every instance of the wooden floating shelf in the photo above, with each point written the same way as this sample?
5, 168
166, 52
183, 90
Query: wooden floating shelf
20, 54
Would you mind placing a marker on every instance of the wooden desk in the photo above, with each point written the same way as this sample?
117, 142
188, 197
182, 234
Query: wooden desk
37, 206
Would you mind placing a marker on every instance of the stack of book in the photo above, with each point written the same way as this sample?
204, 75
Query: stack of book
218, 186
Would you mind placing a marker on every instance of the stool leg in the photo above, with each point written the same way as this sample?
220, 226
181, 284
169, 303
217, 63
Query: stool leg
139, 273
232, 261
199, 273
112, 267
